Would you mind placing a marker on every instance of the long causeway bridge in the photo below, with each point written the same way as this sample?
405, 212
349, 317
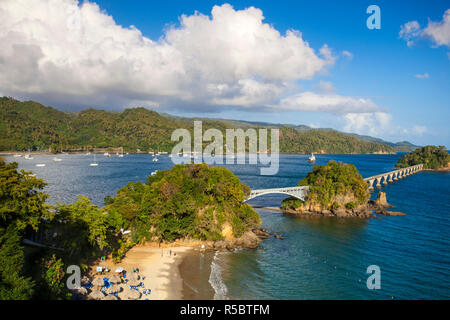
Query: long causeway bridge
380, 179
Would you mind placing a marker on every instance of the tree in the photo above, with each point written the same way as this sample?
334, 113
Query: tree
22, 205
431, 157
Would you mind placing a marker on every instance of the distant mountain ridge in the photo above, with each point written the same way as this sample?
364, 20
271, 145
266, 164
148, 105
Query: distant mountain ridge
30, 125
402, 146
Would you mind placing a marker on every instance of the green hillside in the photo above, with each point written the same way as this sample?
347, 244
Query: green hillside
30, 125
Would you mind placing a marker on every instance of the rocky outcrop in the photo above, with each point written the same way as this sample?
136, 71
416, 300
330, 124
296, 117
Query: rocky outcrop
379, 206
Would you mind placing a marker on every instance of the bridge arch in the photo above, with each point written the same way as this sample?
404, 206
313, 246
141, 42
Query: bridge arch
295, 192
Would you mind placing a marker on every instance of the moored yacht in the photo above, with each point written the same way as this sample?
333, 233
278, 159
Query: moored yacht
312, 158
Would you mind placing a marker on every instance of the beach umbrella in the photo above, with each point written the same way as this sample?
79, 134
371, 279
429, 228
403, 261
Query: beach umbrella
109, 297
98, 282
113, 289
96, 295
133, 295
115, 279
119, 269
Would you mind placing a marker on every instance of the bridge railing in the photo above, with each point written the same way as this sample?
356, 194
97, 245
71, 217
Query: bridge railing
392, 176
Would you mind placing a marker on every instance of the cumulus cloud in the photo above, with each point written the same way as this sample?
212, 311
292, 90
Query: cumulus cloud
367, 123
422, 76
62, 52
409, 32
314, 102
379, 124
437, 32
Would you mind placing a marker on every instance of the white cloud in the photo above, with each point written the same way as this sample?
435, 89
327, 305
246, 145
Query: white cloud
437, 32
57, 51
367, 123
422, 76
313, 102
379, 124
347, 54
409, 32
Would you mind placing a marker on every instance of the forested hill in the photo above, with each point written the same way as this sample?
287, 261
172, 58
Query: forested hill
30, 125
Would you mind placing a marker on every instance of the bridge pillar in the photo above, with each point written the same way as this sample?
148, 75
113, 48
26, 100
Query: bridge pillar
395, 174
370, 182
385, 179
391, 177
400, 174
378, 182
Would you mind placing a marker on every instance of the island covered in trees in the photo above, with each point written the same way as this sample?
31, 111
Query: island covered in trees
187, 203
432, 157
335, 189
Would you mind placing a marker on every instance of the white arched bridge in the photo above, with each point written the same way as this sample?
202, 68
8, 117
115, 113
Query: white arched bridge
300, 192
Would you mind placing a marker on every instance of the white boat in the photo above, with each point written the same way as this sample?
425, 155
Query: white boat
40, 165
120, 155
154, 173
155, 159
17, 155
312, 158
106, 154
56, 159
28, 157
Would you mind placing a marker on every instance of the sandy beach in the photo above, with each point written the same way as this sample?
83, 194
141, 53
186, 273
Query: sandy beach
159, 266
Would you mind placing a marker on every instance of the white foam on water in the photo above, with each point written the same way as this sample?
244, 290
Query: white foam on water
215, 279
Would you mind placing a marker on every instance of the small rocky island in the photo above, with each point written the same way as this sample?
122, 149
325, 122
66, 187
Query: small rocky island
337, 190
432, 158
189, 205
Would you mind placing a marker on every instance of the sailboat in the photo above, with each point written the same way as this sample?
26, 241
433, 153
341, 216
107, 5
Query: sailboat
56, 159
94, 164
28, 157
312, 158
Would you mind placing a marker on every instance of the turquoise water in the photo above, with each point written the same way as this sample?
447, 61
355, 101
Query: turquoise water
321, 258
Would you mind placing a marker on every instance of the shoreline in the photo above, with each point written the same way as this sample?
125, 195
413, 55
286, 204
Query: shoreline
159, 266
11, 153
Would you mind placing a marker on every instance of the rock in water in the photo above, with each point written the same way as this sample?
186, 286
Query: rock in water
381, 199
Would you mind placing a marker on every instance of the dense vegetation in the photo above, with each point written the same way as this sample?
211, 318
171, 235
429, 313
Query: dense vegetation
188, 201
30, 125
333, 186
72, 234
432, 157
194, 201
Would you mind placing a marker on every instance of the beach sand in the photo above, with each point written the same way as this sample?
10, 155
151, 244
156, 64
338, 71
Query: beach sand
159, 266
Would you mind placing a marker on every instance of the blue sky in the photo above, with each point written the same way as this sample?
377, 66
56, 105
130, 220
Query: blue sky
405, 86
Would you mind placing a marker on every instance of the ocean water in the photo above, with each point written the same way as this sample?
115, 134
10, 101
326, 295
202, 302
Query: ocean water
320, 258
